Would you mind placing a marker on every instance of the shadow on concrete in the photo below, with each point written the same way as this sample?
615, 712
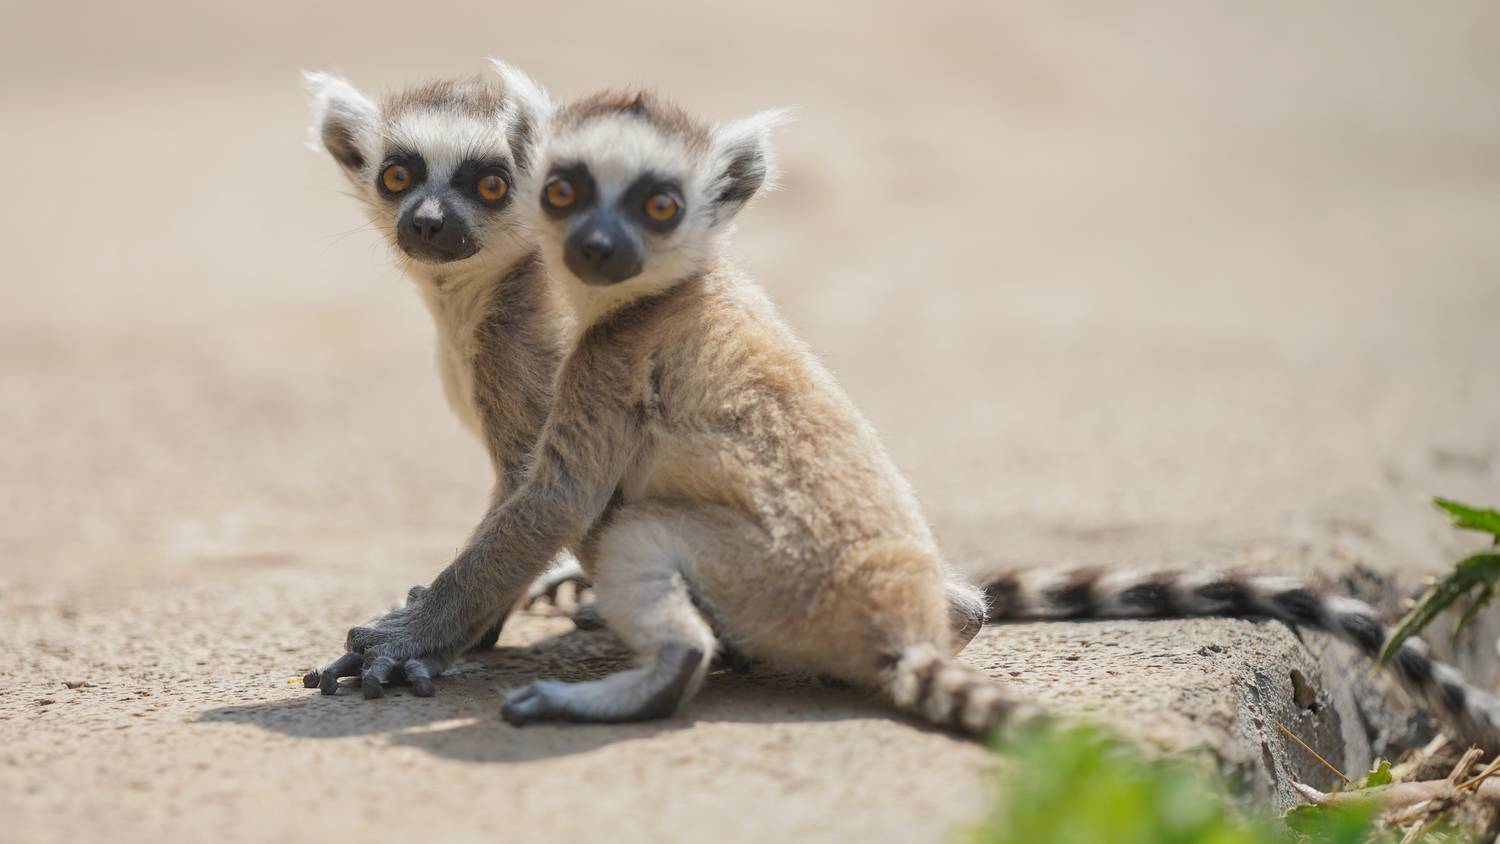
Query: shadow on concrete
463, 721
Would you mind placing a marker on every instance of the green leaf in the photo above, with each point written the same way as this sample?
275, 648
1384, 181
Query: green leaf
1476, 603
1466, 517
1380, 775
1479, 570
1347, 824
1079, 785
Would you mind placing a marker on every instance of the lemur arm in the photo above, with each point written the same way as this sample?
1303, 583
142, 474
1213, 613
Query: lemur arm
518, 354
592, 434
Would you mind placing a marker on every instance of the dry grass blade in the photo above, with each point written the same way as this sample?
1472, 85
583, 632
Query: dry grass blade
1329, 765
1465, 762
1489, 771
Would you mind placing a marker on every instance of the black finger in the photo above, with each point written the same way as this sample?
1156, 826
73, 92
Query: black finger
377, 671
419, 673
347, 665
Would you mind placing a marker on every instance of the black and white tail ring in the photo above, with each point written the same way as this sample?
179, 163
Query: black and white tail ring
1103, 593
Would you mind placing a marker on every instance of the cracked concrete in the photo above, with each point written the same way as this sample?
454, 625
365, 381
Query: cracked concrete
1193, 284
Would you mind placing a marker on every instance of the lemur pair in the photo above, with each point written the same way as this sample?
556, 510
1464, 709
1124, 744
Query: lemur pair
646, 408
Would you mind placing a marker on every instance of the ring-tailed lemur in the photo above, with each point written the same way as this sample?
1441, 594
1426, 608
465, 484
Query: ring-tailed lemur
726, 485
440, 169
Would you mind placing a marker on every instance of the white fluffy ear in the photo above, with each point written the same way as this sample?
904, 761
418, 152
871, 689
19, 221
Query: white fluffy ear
744, 161
344, 120
523, 90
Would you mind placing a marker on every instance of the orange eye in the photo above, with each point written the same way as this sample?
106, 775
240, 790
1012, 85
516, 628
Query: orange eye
396, 178
491, 187
560, 193
661, 207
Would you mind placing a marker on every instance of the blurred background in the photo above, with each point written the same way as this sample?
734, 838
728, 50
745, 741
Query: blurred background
1118, 282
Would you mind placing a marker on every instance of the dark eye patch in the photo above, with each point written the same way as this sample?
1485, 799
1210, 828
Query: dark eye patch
411, 161
584, 190
634, 201
466, 180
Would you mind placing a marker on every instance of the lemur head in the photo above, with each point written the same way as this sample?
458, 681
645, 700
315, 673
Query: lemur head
636, 195
439, 166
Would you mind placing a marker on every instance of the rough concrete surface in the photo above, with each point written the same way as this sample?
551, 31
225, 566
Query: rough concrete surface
1188, 283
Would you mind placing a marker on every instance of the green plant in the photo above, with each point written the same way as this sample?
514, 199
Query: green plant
1079, 786
1479, 572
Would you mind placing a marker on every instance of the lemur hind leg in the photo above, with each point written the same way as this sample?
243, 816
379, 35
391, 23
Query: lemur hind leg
642, 596
966, 615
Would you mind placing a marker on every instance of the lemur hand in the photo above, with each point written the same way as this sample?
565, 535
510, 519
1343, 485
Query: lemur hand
413, 644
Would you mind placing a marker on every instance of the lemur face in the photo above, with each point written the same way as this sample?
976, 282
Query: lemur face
437, 196
633, 190
437, 165
607, 226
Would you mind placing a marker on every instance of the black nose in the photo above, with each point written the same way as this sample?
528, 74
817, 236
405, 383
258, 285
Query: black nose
597, 248
601, 250
435, 232
427, 225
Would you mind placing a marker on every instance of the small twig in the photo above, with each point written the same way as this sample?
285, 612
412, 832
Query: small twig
1401, 795
1293, 736
1404, 771
1489, 771
1465, 762
1414, 834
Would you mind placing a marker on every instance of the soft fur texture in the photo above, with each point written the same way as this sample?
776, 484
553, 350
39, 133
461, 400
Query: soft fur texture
500, 329
719, 481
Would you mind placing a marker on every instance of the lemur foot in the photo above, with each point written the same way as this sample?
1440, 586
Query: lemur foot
402, 646
551, 582
639, 694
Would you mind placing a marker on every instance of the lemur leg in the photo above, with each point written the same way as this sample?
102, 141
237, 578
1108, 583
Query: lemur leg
486, 642
642, 595
966, 614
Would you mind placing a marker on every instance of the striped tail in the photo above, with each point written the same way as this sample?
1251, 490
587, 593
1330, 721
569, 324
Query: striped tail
944, 692
1104, 593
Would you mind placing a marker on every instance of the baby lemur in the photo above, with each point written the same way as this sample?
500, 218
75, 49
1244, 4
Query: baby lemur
438, 168
723, 482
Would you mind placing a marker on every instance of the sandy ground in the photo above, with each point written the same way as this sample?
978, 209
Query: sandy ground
1194, 282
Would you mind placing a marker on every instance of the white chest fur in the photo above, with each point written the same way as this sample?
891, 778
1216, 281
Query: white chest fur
458, 306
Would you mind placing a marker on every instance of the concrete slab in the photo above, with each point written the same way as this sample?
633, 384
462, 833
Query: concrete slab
1189, 284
